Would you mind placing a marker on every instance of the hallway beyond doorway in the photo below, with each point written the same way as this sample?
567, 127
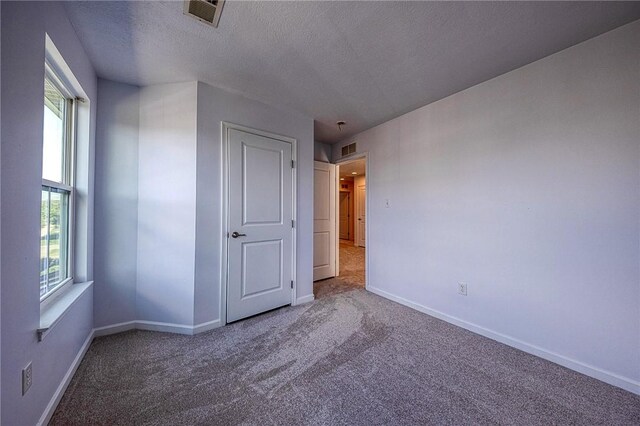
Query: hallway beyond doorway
352, 263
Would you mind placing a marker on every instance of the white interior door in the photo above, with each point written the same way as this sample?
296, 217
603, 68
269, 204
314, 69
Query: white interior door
324, 221
260, 237
345, 214
361, 211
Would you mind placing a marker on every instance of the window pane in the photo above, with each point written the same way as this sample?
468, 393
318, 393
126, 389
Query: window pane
44, 241
53, 133
54, 240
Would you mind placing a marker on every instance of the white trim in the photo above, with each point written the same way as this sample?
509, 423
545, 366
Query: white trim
589, 370
206, 326
58, 65
225, 126
164, 327
157, 326
57, 396
53, 309
114, 328
304, 299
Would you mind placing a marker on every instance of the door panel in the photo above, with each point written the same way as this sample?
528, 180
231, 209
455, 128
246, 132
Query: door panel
262, 184
324, 221
265, 275
345, 200
260, 210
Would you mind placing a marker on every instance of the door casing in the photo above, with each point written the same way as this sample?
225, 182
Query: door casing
224, 222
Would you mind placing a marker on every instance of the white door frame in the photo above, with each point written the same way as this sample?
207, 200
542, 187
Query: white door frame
224, 222
343, 161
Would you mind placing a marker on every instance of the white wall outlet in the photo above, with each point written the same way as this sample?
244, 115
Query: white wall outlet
462, 289
27, 378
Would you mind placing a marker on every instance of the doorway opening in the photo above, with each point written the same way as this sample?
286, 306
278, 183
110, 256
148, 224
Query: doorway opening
352, 222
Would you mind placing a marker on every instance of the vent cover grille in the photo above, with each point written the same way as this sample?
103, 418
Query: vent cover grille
348, 149
207, 11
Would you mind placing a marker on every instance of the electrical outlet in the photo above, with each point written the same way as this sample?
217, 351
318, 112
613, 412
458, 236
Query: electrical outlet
27, 378
462, 289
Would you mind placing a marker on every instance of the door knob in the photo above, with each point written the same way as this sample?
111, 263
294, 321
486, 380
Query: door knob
235, 234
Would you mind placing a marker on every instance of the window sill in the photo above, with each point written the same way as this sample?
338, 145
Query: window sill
51, 313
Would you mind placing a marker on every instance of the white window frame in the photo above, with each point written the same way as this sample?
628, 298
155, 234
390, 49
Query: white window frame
69, 166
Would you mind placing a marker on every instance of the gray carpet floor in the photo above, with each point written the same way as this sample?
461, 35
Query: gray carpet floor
350, 357
352, 263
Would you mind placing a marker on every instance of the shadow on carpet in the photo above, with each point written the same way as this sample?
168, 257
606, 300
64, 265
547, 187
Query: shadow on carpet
350, 357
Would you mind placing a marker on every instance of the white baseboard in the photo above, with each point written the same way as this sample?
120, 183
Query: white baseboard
304, 299
114, 328
206, 326
57, 396
157, 326
164, 327
589, 370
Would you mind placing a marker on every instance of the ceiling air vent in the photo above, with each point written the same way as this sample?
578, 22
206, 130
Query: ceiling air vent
207, 11
348, 149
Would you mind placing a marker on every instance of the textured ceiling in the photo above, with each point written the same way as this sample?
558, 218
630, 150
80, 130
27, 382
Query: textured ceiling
362, 62
346, 170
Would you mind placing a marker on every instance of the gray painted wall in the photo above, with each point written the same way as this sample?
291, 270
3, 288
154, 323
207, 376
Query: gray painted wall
23, 41
167, 203
526, 188
163, 265
116, 203
322, 152
216, 105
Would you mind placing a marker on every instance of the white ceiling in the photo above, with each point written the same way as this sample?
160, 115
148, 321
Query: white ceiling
362, 62
347, 170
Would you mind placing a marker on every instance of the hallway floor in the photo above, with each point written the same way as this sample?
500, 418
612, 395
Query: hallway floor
352, 263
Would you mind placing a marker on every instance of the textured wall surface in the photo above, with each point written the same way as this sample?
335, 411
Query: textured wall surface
527, 189
160, 221
167, 203
214, 106
23, 41
116, 203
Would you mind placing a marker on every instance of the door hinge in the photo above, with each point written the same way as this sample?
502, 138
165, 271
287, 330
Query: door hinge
291, 283
293, 223
293, 164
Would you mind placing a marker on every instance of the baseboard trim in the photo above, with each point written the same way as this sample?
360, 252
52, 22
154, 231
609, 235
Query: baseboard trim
114, 328
57, 396
165, 327
206, 326
589, 370
157, 326
304, 299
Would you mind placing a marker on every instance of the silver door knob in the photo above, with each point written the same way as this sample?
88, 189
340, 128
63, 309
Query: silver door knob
235, 234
